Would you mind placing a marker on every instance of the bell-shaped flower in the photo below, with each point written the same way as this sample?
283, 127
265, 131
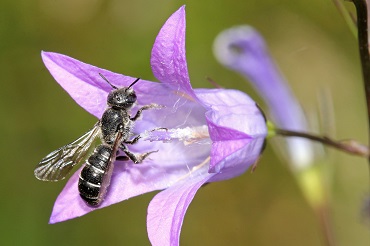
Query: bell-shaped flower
211, 134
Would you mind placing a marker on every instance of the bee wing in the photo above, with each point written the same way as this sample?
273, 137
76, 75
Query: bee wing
56, 165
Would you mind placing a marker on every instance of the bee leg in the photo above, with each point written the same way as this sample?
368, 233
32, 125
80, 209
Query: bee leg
133, 141
146, 107
122, 158
135, 158
136, 139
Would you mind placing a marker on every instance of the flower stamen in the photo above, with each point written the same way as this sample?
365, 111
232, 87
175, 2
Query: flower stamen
188, 135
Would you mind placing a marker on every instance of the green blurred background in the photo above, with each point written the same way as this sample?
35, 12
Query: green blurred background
311, 44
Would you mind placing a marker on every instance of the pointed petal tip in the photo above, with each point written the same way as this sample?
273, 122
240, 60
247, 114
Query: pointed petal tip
167, 210
46, 53
52, 221
181, 9
168, 58
179, 13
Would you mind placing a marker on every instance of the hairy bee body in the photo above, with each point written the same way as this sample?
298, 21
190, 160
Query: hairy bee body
112, 121
96, 174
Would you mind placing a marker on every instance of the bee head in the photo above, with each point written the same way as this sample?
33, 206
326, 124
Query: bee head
122, 98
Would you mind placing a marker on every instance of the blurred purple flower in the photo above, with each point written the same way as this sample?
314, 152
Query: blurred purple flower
213, 134
243, 49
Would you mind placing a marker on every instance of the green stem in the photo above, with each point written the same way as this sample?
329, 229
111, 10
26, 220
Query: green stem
349, 146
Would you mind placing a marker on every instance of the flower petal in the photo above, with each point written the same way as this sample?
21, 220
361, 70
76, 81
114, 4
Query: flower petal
168, 58
221, 150
167, 210
233, 110
233, 120
233, 158
82, 81
90, 91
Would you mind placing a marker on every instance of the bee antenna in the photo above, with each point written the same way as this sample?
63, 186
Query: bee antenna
101, 75
133, 83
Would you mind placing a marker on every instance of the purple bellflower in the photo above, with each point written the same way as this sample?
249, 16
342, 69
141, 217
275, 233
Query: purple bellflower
213, 134
243, 50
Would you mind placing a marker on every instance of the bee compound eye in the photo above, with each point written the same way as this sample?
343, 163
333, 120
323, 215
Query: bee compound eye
131, 98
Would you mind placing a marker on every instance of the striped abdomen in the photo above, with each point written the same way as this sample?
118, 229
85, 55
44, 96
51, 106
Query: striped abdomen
96, 174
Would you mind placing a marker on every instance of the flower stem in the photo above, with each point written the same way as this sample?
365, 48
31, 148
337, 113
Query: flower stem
349, 146
362, 29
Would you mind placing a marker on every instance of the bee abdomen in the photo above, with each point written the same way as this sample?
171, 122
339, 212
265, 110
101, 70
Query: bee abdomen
95, 176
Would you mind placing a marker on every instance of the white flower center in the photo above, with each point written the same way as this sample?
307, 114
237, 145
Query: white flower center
187, 135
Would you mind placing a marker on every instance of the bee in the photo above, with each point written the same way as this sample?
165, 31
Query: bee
114, 130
